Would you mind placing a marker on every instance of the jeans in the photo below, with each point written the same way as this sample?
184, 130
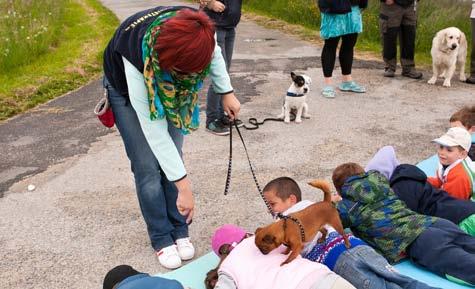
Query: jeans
446, 250
214, 107
156, 194
363, 267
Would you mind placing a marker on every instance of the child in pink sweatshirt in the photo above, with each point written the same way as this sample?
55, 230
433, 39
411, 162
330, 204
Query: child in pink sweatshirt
243, 266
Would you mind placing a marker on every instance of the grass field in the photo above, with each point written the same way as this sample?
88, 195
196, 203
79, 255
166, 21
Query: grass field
433, 16
49, 47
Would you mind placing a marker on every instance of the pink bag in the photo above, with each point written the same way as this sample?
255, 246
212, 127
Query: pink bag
103, 111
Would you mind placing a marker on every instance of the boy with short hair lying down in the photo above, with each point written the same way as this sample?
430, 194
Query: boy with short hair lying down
360, 265
411, 186
375, 214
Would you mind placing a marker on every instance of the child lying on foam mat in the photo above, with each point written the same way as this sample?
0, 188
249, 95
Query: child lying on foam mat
372, 210
193, 273
411, 186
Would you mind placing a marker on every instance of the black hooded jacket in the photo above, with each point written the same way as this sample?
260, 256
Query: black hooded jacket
410, 184
230, 17
403, 3
340, 6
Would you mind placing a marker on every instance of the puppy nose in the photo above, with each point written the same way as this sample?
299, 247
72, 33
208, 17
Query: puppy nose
454, 46
305, 90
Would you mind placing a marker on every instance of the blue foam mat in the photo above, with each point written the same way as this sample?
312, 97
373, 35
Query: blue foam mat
429, 166
193, 274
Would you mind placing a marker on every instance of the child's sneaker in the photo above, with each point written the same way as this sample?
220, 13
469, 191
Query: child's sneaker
169, 258
185, 248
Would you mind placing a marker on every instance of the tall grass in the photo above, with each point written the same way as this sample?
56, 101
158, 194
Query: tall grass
433, 16
49, 47
29, 29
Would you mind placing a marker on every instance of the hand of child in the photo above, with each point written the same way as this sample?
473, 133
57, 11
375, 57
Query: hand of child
336, 198
216, 6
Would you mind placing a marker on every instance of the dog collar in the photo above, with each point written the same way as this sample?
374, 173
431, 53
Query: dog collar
294, 94
296, 221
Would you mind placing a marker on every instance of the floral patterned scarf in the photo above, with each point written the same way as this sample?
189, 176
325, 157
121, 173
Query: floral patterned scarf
170, 94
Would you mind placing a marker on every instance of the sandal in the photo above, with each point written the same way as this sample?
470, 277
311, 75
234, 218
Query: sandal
351, 86
328, 92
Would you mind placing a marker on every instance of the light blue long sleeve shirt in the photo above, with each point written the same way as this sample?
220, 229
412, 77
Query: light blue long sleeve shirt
156, 131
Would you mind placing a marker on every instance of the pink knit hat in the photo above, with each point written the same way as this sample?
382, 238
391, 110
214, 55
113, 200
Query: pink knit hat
227, 234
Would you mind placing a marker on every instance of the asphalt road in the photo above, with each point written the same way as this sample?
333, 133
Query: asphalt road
83, 217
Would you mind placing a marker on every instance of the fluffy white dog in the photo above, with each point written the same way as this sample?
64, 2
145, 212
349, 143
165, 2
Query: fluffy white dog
296, 98
449, 50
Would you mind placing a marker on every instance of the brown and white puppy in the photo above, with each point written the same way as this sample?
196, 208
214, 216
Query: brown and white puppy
312, 218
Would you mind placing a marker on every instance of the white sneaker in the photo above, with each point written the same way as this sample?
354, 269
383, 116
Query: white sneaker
169, 258
185, 248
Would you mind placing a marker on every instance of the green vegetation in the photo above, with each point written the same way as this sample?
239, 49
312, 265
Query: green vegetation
49, 47
433, 16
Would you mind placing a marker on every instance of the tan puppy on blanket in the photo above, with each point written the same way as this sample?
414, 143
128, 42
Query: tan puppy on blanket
294, 234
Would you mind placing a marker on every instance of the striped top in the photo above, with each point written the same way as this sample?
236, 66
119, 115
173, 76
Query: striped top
328, 252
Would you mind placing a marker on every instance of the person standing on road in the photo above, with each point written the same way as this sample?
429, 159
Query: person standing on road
398, 19
226, 15
340, 19
471, 79
154, 66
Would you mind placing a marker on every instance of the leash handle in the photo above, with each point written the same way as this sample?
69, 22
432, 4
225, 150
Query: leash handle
228, 178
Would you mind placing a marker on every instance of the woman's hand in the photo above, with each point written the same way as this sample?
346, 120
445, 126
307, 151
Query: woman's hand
216, 6
389, 2
185, 201
231, 105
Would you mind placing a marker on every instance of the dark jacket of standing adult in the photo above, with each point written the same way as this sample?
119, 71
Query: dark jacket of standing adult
340, 6
410, 184
403, 3
230, 17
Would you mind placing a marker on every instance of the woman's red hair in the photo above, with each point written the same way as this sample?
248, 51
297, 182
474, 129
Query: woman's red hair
186, 42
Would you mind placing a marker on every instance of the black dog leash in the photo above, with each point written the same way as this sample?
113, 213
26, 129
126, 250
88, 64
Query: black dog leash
296, 221
228, 180
255, 123
228, 177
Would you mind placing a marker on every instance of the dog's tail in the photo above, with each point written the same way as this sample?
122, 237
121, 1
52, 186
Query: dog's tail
325, 187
